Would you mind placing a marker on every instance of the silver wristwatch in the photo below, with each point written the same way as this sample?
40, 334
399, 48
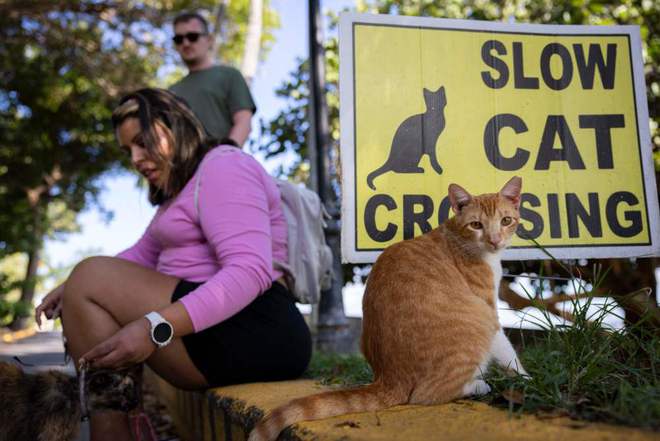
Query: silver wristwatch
161, 330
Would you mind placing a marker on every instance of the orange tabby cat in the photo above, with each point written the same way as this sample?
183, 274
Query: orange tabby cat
430, 324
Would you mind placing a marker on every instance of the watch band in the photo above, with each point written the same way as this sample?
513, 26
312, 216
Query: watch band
162, 331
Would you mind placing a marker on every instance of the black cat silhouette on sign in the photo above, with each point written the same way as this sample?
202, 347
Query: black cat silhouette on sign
416, 137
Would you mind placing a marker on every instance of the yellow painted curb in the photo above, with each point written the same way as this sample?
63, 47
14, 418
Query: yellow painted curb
227, 413
15, 336
461, 420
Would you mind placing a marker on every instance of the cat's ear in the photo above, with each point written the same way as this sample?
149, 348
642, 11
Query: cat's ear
512, 189
427, 95
443, 97
458, 197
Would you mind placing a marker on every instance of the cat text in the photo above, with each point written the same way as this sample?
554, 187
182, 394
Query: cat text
555, 126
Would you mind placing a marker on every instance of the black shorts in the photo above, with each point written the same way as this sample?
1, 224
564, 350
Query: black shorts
266, 341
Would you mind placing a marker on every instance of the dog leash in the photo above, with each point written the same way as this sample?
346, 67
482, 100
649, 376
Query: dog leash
82, 393
85, 431
142, 428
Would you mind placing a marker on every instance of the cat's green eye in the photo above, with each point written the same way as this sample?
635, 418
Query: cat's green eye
476, 225
506, 220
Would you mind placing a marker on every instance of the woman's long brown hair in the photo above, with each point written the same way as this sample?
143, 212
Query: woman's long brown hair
186, 136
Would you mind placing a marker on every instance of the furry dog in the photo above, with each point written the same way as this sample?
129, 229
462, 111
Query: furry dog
42, 406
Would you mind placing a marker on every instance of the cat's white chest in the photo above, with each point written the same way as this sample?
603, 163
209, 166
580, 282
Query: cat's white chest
495, 263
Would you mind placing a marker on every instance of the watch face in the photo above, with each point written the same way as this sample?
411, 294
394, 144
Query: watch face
162, 332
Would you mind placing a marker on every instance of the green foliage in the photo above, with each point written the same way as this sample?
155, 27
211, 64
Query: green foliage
12, 271
9, 310
339, 369
288, 131
55, 102
585, 372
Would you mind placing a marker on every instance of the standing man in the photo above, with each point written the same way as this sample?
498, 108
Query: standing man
218, 95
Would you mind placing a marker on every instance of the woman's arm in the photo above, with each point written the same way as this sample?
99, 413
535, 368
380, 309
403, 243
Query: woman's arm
242, 124
132, 344
234, 216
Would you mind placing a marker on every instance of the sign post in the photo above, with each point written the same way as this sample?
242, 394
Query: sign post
427, 102
332, 329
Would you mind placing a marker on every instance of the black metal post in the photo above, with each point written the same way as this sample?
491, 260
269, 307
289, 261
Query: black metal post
333, 333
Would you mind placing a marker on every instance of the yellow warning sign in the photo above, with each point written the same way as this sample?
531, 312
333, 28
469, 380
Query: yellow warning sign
431, 102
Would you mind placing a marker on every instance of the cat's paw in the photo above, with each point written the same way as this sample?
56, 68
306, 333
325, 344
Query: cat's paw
476, 388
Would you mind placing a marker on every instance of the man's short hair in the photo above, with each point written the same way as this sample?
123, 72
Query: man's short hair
187, 16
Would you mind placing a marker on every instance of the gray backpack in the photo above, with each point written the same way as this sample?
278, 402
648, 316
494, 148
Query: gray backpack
309, 270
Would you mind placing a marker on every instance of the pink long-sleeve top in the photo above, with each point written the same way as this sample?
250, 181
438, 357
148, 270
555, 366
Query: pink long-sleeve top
228, 241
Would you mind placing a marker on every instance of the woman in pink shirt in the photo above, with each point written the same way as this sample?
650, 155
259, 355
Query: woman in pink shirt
197, 297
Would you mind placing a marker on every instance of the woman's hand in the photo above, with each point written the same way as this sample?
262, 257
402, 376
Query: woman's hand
51, 305
131, 345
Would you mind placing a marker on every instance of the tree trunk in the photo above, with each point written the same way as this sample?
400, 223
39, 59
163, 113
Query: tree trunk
220, 25
34, 255
252, 41
29, 285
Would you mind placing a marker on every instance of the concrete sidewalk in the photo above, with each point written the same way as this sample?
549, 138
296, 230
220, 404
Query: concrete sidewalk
42, 351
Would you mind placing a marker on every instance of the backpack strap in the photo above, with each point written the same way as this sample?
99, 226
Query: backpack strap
287, 197
219, 150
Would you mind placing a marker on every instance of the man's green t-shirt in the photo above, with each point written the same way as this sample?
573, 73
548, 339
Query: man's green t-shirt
215, 94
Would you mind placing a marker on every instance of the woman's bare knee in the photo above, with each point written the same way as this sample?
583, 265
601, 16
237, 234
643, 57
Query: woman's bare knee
84, 279
90, 269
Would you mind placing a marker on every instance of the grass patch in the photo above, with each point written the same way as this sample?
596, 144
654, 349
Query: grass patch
586, 372
344, 370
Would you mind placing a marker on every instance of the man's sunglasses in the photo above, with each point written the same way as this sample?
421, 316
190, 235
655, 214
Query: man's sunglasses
190, 36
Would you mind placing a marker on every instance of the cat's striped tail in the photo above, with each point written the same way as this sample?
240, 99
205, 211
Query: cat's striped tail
371, 397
